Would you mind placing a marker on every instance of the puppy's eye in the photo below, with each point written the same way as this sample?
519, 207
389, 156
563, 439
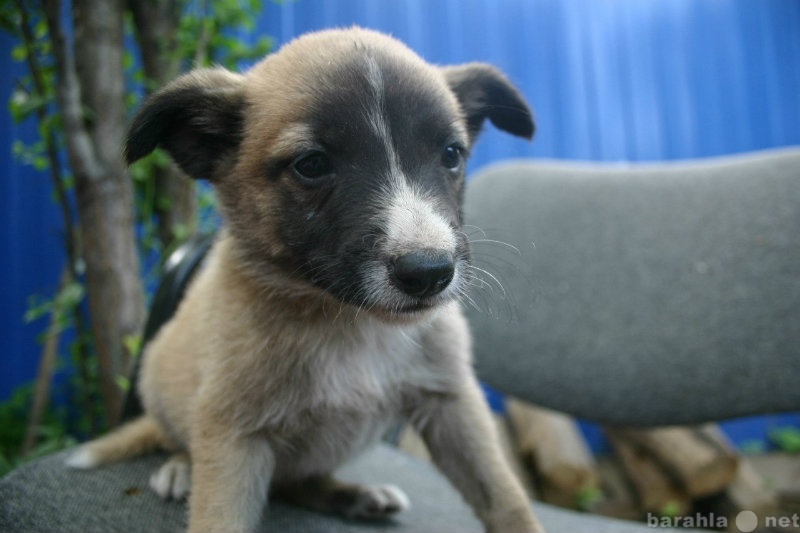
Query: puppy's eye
313, 165
453, 157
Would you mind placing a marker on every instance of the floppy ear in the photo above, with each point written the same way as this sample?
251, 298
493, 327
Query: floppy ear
484, 92
197, 119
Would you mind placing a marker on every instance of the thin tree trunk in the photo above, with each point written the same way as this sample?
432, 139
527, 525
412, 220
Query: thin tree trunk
156, 25
91, 98
47, 365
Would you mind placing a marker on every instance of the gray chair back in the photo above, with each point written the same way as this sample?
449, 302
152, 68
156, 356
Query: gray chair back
640, 294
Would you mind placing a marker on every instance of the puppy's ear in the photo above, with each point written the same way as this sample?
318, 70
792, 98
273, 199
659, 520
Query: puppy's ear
197, 119
484, 92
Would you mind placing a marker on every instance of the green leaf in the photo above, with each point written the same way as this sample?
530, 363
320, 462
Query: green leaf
786, 438
133, 343
181, 232
18, 148
588, 497
37, 309
670, 509
164, 203
123, 383
40, 29
19, 53
128, 60
23, 103
41, 163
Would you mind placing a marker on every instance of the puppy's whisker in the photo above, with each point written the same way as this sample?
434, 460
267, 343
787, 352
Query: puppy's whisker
484, 292
491, 276
463, 295
485, 239
476, 231
479, 283
502, 243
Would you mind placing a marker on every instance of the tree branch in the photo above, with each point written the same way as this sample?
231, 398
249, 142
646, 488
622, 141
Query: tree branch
81, 150
56, 173
72, 241
47, 364
156, 25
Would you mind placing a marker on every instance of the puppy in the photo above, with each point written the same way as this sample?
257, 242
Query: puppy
327, 310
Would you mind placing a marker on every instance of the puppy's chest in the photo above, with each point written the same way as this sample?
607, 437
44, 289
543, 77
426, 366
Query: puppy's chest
352, 377
373, 370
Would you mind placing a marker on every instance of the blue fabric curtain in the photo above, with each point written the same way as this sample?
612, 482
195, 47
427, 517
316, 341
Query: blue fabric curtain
610, 80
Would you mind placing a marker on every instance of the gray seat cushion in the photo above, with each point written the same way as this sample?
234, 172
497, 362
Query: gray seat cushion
47, 497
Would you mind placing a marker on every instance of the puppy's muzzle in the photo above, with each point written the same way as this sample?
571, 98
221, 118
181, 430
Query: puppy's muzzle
423, 273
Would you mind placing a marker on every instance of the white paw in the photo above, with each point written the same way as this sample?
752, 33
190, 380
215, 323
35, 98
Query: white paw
380, 501
82, 459
172, 479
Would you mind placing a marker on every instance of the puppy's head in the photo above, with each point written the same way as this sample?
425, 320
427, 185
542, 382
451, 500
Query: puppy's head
339, 162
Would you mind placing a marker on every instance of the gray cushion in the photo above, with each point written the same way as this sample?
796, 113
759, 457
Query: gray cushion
641, 294
47, 497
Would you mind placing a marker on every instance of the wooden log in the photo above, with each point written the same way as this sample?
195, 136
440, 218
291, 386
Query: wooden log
781, 473
618, 499
553, 446
656, 491
748, 492
699, 458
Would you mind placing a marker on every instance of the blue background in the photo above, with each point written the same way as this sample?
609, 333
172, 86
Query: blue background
609, 80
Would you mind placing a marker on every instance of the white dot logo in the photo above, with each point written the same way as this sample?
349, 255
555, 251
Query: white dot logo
746, 521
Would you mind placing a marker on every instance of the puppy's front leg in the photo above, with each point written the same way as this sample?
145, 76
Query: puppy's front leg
461, 436
230, 478
463, 443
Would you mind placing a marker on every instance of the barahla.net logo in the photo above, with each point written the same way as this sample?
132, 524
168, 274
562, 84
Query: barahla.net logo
745, 521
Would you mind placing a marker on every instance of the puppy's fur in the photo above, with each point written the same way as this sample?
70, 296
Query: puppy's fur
327, 309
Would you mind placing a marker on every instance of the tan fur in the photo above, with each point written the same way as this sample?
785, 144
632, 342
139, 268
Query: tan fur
267, 381
138, 437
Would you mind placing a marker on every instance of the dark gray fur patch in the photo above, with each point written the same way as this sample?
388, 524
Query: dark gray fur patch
332, 227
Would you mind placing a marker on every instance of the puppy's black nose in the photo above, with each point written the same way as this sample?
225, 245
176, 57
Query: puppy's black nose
423, 273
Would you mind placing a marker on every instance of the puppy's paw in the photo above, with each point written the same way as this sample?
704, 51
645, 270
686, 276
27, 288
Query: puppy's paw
82, 459
378, 502
173, 478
